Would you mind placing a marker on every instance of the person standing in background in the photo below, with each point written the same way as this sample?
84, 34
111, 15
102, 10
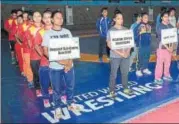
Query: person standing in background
18, 45
103, 24
172, 18
34, 56
44, 63
144, 40
11, 38
134, 50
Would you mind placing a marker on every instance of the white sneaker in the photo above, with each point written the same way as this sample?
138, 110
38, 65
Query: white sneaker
64, 99
75, 107
58, 113
46, 103
139, 73
147, 71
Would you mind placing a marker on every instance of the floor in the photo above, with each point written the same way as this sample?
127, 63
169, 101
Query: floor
20, 104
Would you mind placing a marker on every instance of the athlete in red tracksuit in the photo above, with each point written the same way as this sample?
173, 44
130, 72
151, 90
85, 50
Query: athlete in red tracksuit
8, 27
18, 45
34, 57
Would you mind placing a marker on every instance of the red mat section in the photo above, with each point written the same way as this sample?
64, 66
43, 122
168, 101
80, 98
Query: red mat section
168, 113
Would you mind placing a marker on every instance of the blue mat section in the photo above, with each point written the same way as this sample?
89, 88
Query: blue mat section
20, 105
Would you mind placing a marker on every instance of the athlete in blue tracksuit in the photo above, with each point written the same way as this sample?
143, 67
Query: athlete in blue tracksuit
143, 42
103, 24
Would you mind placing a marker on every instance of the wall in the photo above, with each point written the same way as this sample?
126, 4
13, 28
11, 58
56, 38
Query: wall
83, 19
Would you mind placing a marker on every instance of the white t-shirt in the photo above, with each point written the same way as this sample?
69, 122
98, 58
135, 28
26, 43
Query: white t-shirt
54, 34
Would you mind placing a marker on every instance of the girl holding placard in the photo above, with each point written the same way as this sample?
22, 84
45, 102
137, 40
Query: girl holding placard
118, 58
61, 70
164, 52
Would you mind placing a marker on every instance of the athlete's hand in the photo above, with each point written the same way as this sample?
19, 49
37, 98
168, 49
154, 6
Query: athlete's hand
170, 50
68, 66
63, 62
126, 55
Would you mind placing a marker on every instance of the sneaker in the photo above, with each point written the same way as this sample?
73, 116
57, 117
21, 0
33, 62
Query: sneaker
31, 85
58, 113
131, 69
50, 91
64, 99
46, 103
75, 107
158, 81
13, 61
147, 71
22, 73
112, 94
139, 73
38, 93
100, 60
168, 78
128, 91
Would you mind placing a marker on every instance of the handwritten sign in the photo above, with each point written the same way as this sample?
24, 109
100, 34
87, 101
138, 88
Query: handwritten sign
122, 39
65, 48
169, 36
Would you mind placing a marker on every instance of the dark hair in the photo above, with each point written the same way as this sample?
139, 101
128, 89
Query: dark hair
25, 12
104, 8
162, 14
19, 16
30, 12
13, 11
47, 11
19, 10
144, 13
55, 12
138, 15
163, 9
116, 12
172, 9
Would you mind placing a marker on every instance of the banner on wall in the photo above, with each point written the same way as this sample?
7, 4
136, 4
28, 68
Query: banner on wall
69, 15
151, 14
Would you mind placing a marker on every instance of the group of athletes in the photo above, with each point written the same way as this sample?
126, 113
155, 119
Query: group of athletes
30, 35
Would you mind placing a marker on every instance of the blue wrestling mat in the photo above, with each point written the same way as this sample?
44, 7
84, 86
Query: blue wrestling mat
20, 104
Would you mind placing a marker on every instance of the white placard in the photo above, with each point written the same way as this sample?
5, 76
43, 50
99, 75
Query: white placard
169, 36
122, 39
67, 48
